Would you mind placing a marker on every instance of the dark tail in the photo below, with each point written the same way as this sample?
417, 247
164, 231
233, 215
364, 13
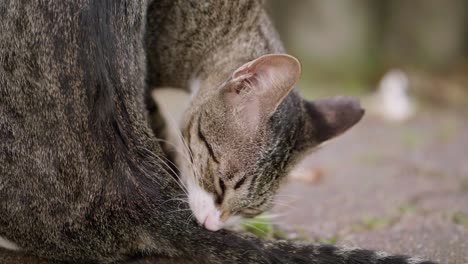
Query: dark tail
285, 252
225, 247
275, 253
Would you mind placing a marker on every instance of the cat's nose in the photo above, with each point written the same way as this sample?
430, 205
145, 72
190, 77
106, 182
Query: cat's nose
212, 222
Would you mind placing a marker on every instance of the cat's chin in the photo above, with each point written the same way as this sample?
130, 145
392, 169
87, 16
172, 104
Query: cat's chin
205, 211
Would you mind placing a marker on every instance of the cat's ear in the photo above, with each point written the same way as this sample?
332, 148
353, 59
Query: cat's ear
257, 88
328, 118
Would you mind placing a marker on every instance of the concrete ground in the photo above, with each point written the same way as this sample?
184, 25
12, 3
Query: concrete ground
398, 188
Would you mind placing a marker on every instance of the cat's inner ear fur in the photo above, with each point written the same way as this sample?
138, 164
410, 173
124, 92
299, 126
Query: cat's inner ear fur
259, 86
328, 118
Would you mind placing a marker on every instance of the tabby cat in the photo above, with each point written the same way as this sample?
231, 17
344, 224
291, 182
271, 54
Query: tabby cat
82, 176
246, 126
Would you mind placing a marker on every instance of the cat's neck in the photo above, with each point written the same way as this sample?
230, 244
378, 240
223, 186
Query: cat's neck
237, 32
219, 65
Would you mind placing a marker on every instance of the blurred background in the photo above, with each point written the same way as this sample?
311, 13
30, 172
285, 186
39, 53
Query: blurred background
398, 181
349, 45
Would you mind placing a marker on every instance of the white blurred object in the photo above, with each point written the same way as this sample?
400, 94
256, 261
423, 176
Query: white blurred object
392, 99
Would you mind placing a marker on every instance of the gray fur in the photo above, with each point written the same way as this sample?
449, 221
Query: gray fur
81, 173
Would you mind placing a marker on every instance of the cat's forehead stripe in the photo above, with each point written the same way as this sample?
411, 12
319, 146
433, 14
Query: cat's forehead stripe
202, 137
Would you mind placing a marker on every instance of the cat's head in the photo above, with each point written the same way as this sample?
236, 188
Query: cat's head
244, 136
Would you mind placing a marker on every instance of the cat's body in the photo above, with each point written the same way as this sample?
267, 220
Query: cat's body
205, 40
82, 177
71, 127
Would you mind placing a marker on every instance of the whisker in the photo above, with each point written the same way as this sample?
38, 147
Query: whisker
177, 175
256, 228
183, 150
269, 216
175, 148
189, 153
189, 219
284, 205
258, 222
178, 210
175, 199
179, 182
288, 196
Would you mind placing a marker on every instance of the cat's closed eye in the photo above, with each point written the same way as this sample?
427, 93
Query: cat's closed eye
239, 183
220, 192
222, 186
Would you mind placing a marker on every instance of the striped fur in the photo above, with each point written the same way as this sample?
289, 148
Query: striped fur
232, 171
190, 42
82, 177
